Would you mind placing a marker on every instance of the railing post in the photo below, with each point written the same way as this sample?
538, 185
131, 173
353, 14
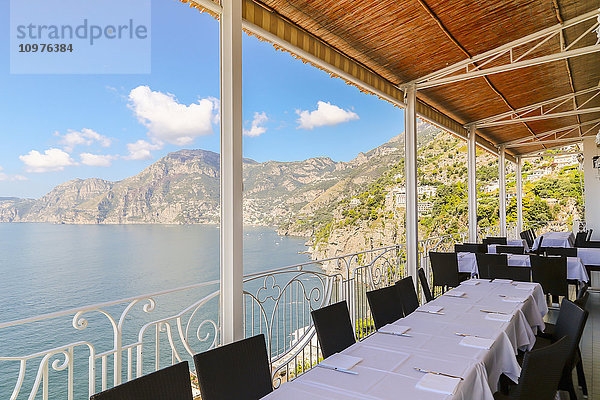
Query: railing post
231, 296
472, 185
410, 175
502, 188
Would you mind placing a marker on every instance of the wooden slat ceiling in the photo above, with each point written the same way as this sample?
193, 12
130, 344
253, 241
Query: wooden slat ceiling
404, 40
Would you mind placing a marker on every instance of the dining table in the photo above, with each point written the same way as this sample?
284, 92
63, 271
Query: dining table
555, 239
454, 347
467, 262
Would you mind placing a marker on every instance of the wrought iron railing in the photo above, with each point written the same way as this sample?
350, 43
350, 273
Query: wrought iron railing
83, 350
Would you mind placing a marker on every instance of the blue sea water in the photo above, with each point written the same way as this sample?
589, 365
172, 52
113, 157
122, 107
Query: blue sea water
46, 268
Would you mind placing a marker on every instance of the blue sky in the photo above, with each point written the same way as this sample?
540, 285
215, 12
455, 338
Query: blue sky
60, 127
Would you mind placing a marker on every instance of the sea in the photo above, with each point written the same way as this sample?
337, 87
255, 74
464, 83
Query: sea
47, 268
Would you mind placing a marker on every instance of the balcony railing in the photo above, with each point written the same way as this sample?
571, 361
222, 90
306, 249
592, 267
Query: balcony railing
109, 343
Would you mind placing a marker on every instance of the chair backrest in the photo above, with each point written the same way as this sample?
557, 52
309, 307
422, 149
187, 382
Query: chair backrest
386, 305
494, 240
582, 301
239, 370
408, 295
521, 274
470, 248
510, 249
492, 266
551, 273
580, 239
334, 328
570, 322
539, 249
560, 251
589, 235
445, 269
582, 291
171, 383
526, 235
425, 285
541, 372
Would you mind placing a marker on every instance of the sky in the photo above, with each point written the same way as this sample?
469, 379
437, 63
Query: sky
58, 127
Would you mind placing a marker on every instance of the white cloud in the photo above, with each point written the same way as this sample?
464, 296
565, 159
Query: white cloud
256, 129
51, 160
325, 114
170, 121
86, 137
141, 149
7, 177
96, 160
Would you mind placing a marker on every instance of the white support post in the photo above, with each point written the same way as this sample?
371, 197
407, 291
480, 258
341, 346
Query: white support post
472, 185
410, 173
519, 195
502, 188
231, 298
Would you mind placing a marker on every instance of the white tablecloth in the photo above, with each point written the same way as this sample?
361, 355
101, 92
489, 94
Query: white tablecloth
386, 370
510, 242
589, 256
467, 262
555, 239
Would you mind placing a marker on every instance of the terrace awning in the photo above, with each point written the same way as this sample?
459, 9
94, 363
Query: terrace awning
524, 73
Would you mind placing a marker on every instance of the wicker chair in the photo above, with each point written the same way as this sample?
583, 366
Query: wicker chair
334, 328
238, 370
495, 240
540, 373
408, 295
425, 285
171, 383
386, 305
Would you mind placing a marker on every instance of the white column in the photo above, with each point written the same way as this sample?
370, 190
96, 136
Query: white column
410, 173
502, 186
519, 184
472, 185
231, 299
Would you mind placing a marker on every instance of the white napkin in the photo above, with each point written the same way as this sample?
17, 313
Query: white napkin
474, 341
455, 293
341, 361
514, 299
502, 281
470, 282
499, 317
431, 309
524, 286
438, 383
394, 329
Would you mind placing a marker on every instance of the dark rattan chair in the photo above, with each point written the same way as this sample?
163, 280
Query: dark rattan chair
526, 235
560, 251
582, 299
580, 239
408, 295
445, 270
589, 235
425, 285
492, 266
470, 248
386, 305
238, 370
171, 383
570, 323
494, 240
540, 373
510, 249
334, 328
551, 273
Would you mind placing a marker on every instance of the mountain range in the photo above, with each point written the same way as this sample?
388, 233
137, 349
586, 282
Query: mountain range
183, 188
